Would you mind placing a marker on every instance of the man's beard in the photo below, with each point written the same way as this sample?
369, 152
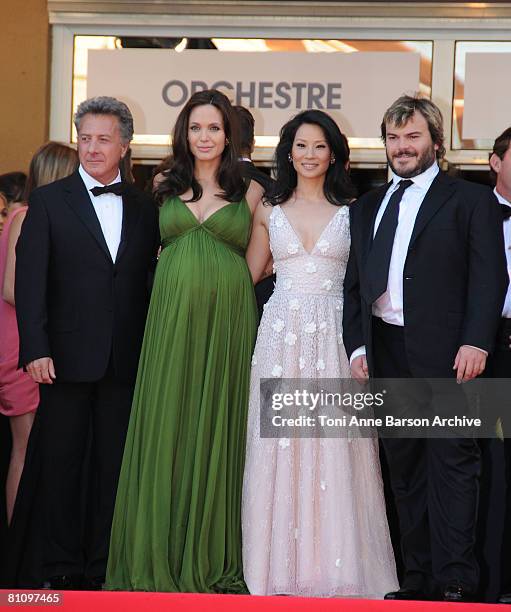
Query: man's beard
424, 161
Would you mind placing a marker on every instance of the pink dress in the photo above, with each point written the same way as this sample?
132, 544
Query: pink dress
18, 393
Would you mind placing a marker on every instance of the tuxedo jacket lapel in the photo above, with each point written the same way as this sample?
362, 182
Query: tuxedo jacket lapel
78, 199
440, 191
130, 214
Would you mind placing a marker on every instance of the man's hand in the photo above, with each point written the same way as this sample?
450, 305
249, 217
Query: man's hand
469, 363
268, 270
42, 370
359, 370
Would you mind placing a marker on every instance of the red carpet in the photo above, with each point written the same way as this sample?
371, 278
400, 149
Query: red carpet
82, 601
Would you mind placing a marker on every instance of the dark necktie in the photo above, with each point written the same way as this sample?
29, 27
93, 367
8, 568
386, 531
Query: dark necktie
378, 260
115, 188
506, 211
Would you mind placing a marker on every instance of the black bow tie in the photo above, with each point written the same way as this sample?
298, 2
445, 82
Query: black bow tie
506, 211
115, 188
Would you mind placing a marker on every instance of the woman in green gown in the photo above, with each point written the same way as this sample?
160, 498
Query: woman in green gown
176, 525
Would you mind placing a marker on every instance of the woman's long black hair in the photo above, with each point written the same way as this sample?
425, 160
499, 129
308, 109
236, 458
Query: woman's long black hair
180, 175
338, 188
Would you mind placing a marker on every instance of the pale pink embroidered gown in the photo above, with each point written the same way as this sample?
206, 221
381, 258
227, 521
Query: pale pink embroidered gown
313, 515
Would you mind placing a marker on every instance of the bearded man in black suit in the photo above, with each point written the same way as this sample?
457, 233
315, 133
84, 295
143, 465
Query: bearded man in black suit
85, 259
424, 290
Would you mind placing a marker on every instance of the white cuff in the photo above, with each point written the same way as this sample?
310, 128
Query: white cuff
475, 347
357, 353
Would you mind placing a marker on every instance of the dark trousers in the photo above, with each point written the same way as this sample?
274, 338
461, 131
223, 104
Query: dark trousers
499, 366
435, 486
80, 421
264, 291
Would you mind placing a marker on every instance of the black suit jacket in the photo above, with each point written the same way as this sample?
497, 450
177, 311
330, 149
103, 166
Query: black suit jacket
454, 279
250, 172
72, 302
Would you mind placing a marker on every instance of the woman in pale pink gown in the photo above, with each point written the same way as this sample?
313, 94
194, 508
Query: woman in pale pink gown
313, 514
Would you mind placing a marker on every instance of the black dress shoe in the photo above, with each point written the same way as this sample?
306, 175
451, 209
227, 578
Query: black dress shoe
95, 583
63, 582
505, 599
455, 593
407, 594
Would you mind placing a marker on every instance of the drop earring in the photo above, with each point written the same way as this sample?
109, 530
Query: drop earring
290, 159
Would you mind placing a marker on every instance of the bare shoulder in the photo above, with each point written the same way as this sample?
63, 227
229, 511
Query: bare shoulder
262, 213
17, 222
254, 195
15, 228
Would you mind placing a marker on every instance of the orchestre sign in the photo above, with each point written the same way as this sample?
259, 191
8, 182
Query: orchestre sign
487, 95
354, 88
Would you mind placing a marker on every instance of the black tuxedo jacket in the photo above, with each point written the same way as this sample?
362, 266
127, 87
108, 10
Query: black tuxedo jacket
73, 303
250, 172
454, 279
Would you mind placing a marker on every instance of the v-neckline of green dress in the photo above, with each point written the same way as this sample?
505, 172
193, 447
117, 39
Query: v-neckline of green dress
199, 223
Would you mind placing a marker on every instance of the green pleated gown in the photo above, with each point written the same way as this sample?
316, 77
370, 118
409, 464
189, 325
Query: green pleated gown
176, 524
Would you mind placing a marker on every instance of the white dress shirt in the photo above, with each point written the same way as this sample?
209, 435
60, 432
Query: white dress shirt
108, 207
506, 311
389, 306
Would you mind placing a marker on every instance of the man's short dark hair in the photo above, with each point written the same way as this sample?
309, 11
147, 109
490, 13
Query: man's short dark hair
247, 123
403, 109
500, 146
12, 186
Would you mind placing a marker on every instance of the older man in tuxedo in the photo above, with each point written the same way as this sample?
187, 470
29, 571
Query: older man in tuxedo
424, 289
85, 260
